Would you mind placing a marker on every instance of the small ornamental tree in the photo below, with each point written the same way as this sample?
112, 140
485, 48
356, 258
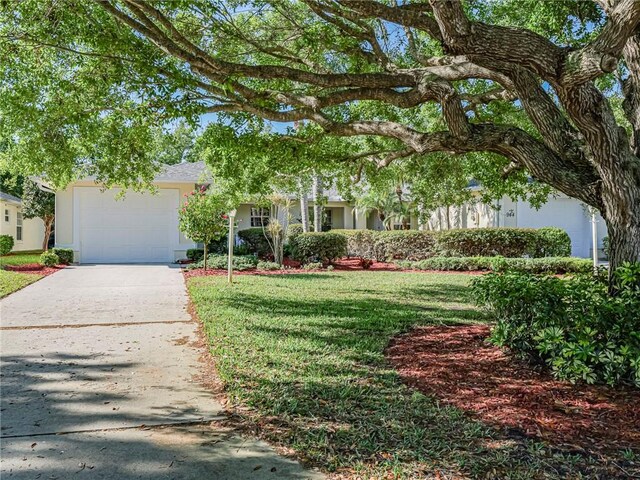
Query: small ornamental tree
203, 218
37, 203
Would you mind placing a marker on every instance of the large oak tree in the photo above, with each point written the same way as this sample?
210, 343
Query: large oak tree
553, 88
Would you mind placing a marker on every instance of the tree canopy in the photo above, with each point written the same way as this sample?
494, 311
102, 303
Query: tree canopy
521, 89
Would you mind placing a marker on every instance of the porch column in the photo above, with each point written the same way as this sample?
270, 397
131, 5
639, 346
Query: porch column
361, 221
348, 218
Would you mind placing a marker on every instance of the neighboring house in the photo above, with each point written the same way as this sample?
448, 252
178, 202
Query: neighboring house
559, 211
104, 227
28, 234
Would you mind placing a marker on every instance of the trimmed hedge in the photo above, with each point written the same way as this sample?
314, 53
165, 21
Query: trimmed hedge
220, 262
49, 259
293, 231
254, 238
195, 254
318, 247
475, 242
64, 254
557, 265
268, 266
6, 244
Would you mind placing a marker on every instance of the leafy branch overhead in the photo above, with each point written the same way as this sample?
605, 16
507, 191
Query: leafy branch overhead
549, 90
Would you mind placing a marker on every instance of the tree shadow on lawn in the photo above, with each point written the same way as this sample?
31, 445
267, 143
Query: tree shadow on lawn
313, 372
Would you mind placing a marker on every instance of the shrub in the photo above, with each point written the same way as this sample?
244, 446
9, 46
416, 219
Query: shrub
313, 265
360, 243
473, 242
293, 231
6, 244
330, 268
64, 254
268, 266
220, 262
195, 254
500, 264
571, 325
256, 241
404, 244
552, 242
319, 246
49, 259
487, 242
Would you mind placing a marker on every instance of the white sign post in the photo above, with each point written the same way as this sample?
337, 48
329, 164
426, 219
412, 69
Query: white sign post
594, 239
232, 221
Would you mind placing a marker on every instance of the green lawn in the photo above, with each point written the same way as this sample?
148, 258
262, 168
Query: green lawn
20, 258
302, 358
12, 281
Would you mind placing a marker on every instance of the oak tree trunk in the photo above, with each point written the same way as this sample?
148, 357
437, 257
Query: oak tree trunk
622, 216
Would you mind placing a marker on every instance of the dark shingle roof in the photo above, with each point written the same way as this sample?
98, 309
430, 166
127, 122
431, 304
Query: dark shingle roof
195, 172
10, 198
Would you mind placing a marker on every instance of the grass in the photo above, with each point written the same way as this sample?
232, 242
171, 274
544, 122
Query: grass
12, 281
20, 258
302, 359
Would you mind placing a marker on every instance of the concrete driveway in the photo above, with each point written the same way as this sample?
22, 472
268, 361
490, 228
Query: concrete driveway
98, 379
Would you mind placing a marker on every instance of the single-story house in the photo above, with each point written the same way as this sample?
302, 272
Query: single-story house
28, 234
559, 211
102, 226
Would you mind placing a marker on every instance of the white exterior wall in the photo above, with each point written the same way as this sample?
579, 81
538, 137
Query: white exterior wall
32, 229
67, 228
563, 212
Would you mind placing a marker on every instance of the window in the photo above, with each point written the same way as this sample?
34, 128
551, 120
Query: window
6, 214
19, 226
327, 219
259, 217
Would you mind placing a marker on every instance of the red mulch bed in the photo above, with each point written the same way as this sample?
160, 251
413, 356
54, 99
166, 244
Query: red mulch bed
342, 265
34, 268
457, 366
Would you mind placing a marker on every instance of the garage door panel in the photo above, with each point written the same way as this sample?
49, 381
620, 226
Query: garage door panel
138, 228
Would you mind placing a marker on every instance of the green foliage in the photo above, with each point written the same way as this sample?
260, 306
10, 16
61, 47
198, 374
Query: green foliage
6, 244
319, 247
173, 146
472, 242
64, 254
572, 325
221, 262
553, 242
404, 244
293, 230
37, 203
268, 266
256, 241
203, 216
195, 254
49, 259
506, 242
557, 265
313, 266
12, 281
339, 403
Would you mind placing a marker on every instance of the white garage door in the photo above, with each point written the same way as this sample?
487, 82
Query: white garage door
139, 228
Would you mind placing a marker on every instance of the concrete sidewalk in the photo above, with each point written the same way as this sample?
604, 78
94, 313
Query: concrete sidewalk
98, 379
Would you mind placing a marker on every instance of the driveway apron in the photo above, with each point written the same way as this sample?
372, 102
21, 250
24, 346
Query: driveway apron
98, 379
